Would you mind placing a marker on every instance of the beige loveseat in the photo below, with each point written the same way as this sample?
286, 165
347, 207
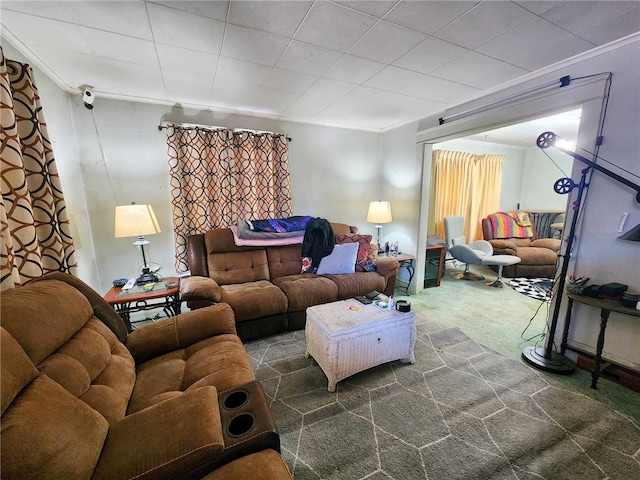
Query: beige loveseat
264, 286
82, 399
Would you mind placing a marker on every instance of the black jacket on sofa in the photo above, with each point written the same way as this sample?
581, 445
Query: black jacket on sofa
318, 241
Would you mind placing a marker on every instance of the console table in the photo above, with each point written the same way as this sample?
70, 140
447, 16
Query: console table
605, 307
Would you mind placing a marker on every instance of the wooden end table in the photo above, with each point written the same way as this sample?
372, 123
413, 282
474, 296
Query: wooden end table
166, 297
605, 307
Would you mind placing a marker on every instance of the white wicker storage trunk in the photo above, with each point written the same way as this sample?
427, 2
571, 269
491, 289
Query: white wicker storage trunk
346, 341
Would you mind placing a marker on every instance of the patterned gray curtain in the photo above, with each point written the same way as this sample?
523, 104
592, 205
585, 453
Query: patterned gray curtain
35, 235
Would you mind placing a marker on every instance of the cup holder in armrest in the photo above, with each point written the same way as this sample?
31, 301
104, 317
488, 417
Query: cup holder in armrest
235, 399
241, 424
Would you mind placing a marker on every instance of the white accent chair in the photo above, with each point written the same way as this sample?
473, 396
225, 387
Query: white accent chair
457, 247
479, 252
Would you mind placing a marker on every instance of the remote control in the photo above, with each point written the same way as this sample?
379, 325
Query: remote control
129, 284
363, 299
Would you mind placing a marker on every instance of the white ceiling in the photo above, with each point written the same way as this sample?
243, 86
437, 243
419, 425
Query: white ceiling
361, 64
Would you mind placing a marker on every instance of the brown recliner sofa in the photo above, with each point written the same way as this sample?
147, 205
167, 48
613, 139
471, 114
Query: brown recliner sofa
82, 399
264, 286
538, 256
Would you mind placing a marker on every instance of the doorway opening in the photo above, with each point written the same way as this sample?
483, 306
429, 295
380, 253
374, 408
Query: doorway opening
525, 182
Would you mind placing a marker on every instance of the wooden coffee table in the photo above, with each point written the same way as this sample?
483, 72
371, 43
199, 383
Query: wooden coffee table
347, 337
165, 295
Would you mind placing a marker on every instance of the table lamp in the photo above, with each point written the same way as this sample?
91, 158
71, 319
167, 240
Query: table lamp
138, 220
379, 212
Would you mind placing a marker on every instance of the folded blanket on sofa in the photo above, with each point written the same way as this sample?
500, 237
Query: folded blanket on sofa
511, 224
280, 225
244, 232
267, 239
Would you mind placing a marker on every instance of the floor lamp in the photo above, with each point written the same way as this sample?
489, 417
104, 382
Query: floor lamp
379, 213
136, 221
546, 358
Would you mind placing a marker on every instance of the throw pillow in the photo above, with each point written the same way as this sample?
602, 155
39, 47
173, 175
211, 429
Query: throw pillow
341, 260
363, 241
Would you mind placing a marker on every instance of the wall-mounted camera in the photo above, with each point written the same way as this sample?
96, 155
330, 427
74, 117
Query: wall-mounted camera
88, 97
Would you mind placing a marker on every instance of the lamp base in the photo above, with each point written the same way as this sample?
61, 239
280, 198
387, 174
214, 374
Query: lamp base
146, 277
558, 363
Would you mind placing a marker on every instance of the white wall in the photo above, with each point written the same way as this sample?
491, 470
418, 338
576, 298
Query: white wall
538, 177
600, 255
401, 186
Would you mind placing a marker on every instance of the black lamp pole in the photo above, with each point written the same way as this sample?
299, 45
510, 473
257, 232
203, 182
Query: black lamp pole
547, 359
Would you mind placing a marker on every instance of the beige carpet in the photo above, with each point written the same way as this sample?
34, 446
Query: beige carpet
462, 411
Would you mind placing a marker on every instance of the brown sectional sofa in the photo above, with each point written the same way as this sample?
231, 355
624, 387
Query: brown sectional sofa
538, 256
264, 286
82, 399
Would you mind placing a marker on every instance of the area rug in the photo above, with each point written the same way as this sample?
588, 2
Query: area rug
537, 288
462, 411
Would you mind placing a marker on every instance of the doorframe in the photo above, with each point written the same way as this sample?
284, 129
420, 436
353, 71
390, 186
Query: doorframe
511, 107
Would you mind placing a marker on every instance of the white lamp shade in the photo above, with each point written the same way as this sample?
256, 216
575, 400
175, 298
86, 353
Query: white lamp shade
379, 212
135, 220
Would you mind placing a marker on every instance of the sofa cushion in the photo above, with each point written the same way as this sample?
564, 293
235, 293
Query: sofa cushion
357, 283
306, 290
238, 267
537, 256
95, 367
284, 261
218, 361
363, 241
50, 324
254, 299
70, 345
550, 243
16, 367
40, 432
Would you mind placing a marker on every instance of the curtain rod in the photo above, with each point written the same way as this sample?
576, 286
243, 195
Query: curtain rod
163, 125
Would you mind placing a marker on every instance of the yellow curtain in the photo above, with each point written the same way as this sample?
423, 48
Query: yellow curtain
487, 186
219, 176
35, 233
452, 174
464, 184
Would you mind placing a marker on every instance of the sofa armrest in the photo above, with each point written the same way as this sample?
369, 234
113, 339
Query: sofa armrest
200, 288
550, 243
504, 247
167, 440
387, 265
181, 331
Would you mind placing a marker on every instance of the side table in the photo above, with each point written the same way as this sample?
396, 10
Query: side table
406, 261
165, 295
605, 307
